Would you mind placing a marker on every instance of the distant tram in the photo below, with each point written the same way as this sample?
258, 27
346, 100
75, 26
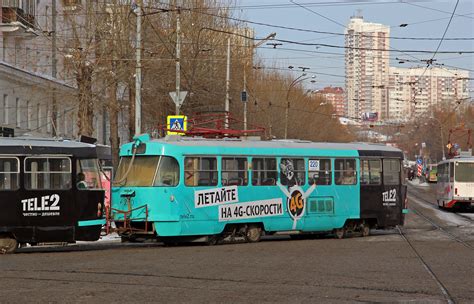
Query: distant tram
455, 186
50, 191
191, 189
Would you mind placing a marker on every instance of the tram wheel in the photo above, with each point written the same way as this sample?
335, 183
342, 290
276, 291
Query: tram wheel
253, 234
212, 240
365, 229
8, 244
340, 233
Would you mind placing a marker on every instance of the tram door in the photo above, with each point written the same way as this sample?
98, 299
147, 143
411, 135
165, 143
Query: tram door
371, 188
89, 198
393, 195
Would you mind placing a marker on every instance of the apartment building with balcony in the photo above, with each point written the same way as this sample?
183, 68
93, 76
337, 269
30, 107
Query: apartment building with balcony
413, 92
367, 66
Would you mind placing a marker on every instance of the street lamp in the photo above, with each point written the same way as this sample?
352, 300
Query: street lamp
287, 110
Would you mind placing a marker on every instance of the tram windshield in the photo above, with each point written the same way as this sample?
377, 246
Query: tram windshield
464, 172
142, 172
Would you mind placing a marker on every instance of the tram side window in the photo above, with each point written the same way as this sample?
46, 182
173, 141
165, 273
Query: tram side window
391, 172
292, 171
320, 171
88, 176
264, 171
168, 172
464, 172
370, 172
200, 171
234, 171
9, 173
43, 173
345, 171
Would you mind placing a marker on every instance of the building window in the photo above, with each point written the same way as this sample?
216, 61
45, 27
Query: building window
4, 110
18, 112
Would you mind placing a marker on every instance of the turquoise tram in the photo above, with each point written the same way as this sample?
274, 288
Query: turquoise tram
191, 189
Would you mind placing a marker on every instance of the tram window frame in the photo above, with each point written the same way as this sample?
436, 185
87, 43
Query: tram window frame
389, 174
198, 170
345, 174
240, 176
372, 180
300, 173
49, 176
269, 177
443, 175
322, 176
13, 179
92, 178
172, 175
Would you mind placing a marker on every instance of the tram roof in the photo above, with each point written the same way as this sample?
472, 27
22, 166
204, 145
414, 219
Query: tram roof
290, 144
458, 158
36, 145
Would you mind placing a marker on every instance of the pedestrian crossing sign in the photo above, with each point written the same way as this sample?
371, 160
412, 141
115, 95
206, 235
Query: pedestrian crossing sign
177, 124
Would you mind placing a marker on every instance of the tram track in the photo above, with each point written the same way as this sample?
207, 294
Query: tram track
449, 299
437, 227
470, 219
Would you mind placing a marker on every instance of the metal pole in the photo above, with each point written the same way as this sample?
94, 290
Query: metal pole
54, 110
227, 86
178, 60
245, 102
138, 72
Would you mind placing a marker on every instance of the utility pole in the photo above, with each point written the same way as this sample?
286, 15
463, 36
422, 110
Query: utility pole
54, 62
178, 96
269, 37
178, 59
138, 71
227, 86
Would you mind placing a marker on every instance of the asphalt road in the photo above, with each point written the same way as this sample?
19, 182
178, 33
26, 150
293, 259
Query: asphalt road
380, 268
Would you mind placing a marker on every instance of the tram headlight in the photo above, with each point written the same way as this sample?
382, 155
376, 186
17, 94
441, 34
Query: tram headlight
99, 209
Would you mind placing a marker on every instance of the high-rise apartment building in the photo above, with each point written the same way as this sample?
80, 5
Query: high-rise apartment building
413, 92
367, 67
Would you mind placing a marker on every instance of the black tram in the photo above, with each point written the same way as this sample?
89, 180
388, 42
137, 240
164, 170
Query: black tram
50, 191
